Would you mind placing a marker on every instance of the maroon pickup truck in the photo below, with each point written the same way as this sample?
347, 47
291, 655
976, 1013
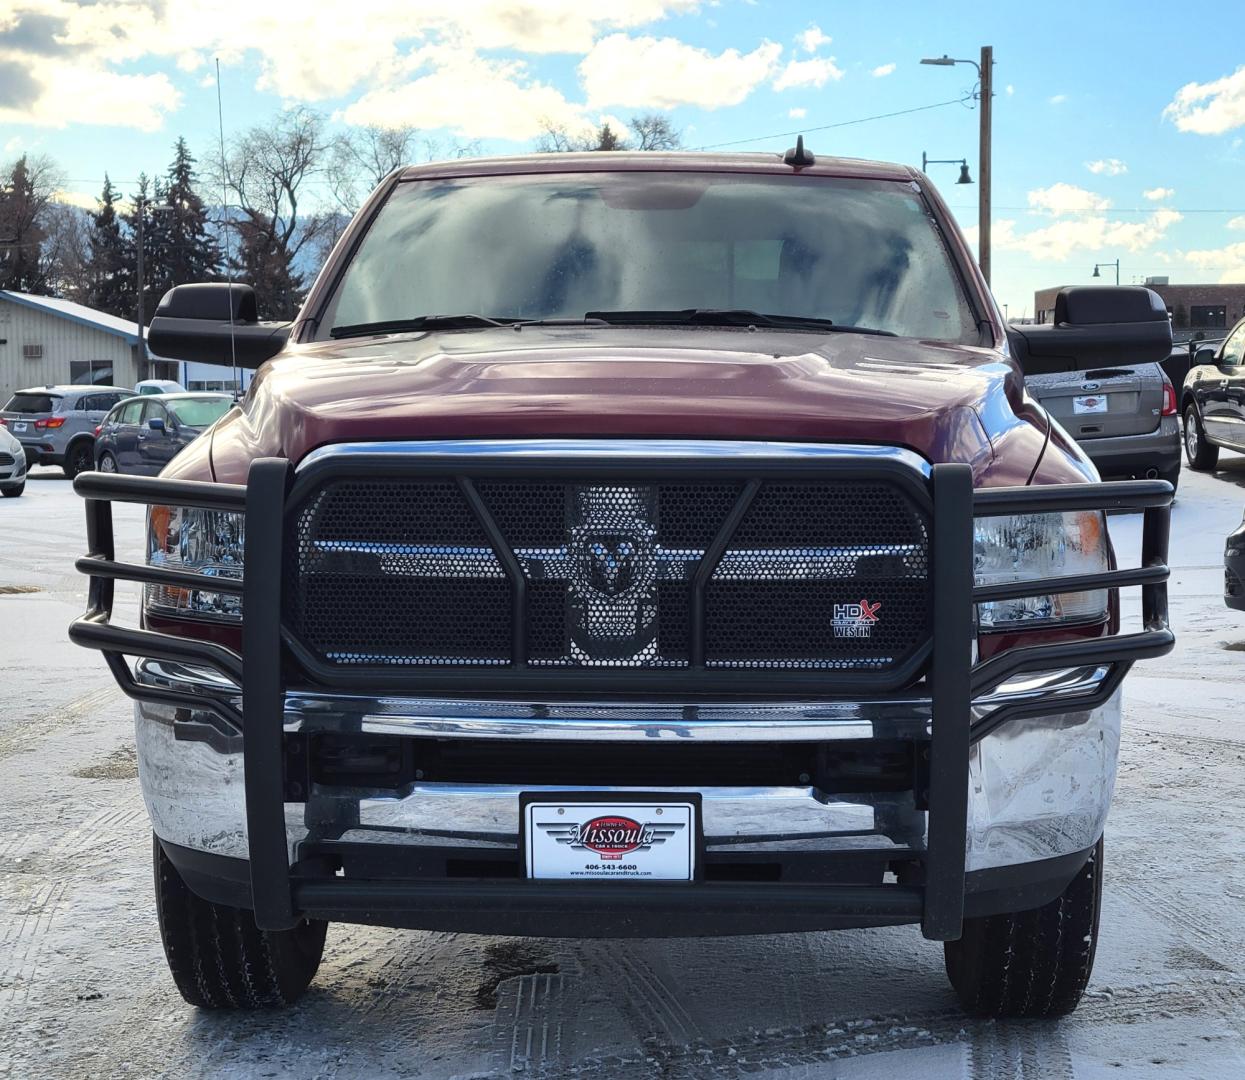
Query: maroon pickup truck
634, 544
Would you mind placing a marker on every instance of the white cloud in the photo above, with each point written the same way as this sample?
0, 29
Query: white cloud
1110, 166
661, 73
1064, 198
1065, 237
69, 63
1057, 99
799, 114
1210, 108
471, 95
813, 39
78, 199
882, 70
72, 93
1228, 261
1237, 222
1010, 90
1158, 194
815, 72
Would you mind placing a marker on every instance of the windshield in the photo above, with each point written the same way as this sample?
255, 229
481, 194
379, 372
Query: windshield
858, 252
199, 412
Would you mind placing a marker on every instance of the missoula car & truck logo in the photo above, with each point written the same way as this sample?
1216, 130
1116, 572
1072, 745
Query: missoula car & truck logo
855, 620
611, 836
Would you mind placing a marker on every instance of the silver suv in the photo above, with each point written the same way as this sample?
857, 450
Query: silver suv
1124, 417
56, 424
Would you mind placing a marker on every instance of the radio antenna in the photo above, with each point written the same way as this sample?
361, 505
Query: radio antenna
224, 184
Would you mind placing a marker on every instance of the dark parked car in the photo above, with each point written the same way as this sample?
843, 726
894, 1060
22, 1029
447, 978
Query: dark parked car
143, 434
1213, 401
1234, 569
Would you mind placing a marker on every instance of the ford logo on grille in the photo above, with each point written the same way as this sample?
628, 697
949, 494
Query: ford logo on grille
1089, 386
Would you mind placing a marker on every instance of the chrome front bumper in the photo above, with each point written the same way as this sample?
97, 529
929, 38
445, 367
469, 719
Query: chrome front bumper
1039, 786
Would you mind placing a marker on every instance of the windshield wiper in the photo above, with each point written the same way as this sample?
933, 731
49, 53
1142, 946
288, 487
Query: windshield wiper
418, 322
452, 322
729, 317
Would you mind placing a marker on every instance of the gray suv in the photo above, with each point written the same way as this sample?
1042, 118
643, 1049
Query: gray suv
56, 424
1124, 417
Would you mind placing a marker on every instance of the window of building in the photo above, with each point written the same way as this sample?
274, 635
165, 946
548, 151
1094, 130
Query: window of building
90, 372
1208, 315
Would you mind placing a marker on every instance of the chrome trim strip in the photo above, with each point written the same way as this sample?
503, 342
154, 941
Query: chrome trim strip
691, 449
629, 721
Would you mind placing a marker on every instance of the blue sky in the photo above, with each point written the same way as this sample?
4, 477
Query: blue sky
1119, 127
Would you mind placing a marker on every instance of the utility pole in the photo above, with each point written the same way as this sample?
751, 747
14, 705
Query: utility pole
140, 207
983, 192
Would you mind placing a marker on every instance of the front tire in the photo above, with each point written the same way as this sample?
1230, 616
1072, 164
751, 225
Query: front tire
1031, 963
107, 463
79, 458
220, 959
14, 491
1201, 454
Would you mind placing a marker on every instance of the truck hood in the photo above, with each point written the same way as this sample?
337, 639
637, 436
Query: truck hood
946, 402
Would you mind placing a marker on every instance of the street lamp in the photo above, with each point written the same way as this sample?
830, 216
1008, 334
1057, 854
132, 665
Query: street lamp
985, 95
1116, 264
961, 162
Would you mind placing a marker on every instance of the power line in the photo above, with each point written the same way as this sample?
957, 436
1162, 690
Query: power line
839, 124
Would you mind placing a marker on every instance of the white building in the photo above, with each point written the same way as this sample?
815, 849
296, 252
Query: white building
46, 341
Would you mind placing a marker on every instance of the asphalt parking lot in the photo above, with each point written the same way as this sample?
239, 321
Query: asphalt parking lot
84, 990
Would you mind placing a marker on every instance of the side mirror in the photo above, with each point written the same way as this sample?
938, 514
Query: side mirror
214, 323
1205, 354
1095, 326
156, 424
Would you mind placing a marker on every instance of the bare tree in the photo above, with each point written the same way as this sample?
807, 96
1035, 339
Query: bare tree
361, 158
651, 131
67, 252
267, 168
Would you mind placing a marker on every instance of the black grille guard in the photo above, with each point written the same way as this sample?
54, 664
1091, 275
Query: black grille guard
952, 680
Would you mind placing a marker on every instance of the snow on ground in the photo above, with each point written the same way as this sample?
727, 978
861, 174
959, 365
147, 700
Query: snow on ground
84, 990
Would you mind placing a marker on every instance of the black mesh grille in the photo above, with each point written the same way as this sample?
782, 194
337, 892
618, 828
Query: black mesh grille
817, 574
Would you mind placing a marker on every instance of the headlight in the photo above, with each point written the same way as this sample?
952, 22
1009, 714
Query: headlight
206, 542
1029, 547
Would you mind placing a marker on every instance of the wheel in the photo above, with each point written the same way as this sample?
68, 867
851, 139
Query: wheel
1201, 454
14, 491
79, 458
1030, 963
1172, 476
107, 463
220, 959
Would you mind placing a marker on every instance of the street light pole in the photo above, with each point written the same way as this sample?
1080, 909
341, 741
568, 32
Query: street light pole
1116, 264
985, 98
983, 168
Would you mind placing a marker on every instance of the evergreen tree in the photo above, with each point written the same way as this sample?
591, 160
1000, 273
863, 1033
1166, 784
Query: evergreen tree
110, 289
154, 231
188, 251
22, 204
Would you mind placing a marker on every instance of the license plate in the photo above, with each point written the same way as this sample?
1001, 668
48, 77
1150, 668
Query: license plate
1091, 403
19, 427
588, 837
